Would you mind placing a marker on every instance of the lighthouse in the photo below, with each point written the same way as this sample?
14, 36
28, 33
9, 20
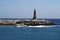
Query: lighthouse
34, 15
34, 21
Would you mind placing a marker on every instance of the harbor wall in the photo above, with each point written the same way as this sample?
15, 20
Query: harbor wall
8, 22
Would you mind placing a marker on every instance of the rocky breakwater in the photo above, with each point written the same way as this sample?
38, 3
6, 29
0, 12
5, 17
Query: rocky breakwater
26, 22
8, 22
35, 22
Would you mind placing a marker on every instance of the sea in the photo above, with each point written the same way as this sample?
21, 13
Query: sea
10, 32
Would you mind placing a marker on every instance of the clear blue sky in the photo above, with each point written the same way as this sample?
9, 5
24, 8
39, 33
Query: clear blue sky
25, 8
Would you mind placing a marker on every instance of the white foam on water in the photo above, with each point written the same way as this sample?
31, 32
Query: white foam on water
41, 26
37, 26
18, 26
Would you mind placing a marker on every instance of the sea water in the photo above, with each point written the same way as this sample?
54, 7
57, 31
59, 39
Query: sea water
29, 33
8, 32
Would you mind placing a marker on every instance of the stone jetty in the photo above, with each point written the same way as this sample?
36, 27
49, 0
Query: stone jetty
33, 22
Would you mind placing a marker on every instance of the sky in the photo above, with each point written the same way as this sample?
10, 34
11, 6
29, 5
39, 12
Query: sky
25, 8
